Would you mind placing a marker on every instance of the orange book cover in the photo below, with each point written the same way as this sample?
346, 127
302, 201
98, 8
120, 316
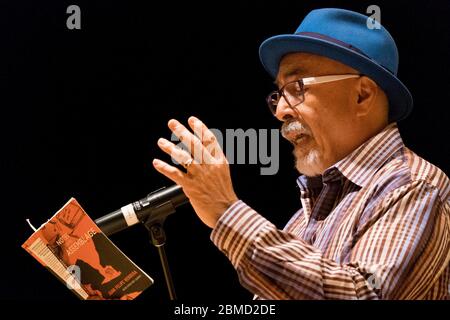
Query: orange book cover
75, 250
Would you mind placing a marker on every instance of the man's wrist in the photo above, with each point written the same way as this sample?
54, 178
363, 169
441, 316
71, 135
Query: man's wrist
227, 208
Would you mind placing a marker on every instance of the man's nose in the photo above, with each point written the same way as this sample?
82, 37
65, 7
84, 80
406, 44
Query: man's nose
284, 111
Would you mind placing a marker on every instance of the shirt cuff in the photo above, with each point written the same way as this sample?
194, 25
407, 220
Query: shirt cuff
236, 229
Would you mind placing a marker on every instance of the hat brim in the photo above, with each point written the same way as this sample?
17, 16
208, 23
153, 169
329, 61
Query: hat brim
273, 49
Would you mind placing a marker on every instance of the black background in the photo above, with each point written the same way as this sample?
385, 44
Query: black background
82, 110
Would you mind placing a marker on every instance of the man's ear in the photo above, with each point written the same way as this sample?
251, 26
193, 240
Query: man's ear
367, 94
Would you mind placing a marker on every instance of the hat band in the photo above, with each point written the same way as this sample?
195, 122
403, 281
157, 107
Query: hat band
339, 42
330, 39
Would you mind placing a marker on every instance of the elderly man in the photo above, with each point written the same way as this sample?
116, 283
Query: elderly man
375, 217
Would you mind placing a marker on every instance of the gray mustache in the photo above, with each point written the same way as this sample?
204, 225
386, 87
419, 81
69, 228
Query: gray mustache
294, 126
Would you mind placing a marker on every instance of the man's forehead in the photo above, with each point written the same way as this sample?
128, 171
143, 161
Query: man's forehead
294, 70
305, 65
297, 64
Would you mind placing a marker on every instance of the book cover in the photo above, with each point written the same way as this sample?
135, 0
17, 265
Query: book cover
72, 247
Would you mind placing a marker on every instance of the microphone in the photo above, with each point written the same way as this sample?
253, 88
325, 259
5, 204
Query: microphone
157, 204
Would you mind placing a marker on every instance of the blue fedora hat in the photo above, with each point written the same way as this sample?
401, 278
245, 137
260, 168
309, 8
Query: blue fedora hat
343, 35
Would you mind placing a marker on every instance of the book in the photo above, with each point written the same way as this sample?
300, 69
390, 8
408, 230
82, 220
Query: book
72, 247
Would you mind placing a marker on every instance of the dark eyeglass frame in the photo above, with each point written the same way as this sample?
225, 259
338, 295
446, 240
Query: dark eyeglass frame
302, 82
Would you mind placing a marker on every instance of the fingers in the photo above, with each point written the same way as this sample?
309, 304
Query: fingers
177, 154
169, 171
208, 138
194, 145
198, 149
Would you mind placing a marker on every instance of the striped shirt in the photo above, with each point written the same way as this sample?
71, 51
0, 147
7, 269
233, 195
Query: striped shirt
376, 225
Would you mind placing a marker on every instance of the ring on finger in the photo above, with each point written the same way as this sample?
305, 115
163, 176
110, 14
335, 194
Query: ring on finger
187, 163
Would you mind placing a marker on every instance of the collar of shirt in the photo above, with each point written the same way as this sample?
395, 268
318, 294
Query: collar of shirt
361, 164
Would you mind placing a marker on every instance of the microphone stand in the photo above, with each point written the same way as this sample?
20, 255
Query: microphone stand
154, 225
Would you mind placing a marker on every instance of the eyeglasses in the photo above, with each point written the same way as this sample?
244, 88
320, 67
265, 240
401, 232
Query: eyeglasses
294, 92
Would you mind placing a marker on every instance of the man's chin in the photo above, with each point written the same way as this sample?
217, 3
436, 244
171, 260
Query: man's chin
308, 163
